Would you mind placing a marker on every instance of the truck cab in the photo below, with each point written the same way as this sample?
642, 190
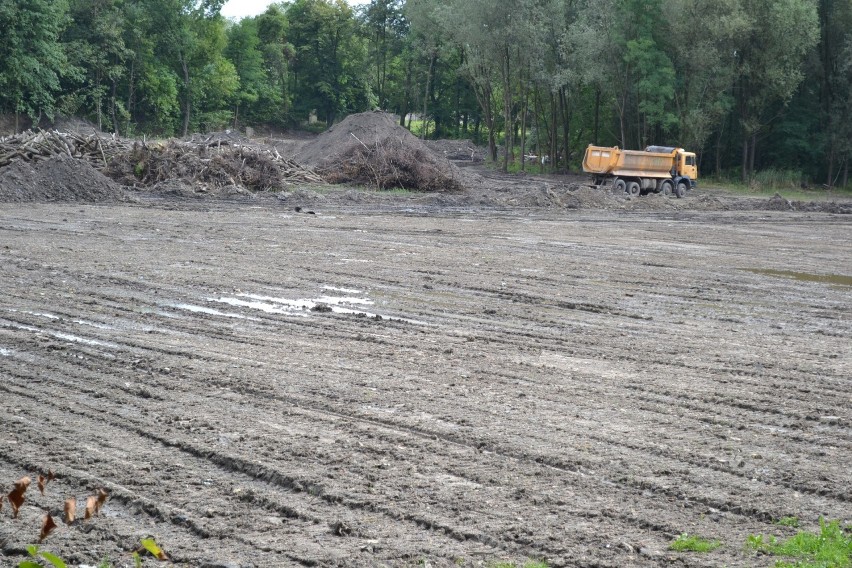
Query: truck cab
688, 166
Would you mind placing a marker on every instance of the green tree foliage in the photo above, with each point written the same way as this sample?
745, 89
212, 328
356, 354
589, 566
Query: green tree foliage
243, 50
32, 60
769, 64
95, 45
328, 72
278, 53
747, 84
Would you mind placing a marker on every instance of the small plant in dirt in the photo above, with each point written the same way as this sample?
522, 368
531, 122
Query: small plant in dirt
38, 556
693, 543
792, 522
831, 547
527, 564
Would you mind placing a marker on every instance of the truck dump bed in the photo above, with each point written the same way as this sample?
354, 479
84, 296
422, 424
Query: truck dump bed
628, 163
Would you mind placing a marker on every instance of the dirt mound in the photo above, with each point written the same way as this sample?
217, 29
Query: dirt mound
59, 178
75, 125
371, 148
225, 136
458, 150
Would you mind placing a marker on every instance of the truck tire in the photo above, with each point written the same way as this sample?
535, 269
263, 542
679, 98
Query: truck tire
666, 188
633, 189
681, 189
620, 186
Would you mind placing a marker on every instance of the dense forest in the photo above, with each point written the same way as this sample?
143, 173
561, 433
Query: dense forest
751, 85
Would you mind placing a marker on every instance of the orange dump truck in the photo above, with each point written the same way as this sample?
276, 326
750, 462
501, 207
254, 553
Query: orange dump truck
659, 169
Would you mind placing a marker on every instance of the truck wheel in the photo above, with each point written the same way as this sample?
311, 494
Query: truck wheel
666, 188
681, 189
633, 189
620, 186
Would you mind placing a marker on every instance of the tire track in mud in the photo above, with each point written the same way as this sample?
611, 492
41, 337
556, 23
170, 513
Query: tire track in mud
735, 473
643, 524
272, 477
321, 369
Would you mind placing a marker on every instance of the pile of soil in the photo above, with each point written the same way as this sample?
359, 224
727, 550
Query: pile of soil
458, 150
59, 178
371, 148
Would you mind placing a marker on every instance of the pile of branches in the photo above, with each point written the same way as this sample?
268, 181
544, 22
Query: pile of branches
214, 161
34, 145
216, 164
392, 163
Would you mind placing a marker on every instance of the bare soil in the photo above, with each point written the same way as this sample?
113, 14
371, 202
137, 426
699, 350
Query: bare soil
409, 382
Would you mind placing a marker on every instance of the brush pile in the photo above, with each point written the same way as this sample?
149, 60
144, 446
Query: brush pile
371, 148
213, 161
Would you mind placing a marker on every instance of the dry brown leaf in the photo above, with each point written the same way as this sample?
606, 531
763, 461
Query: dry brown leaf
91, 507
103, 494
50, 475
23, 483
16, 496
42, 481
47, 527
70, 510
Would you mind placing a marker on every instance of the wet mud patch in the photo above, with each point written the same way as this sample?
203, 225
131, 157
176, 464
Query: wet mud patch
583, 386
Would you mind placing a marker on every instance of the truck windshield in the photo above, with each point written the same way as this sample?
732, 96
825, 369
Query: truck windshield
690, 160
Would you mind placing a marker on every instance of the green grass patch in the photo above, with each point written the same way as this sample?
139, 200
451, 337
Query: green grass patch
831, 547
769, 188
527, 564
788, 522
693, 543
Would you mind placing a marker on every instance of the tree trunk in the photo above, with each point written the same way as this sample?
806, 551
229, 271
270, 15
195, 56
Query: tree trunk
719, 152
406, 94
752, 150
113, 116
846, 172
566, 125
525, 97
188, 96
597, 114
745, 159
426, 93
130, 94
830, 181
508, 129
554, 133
17, 120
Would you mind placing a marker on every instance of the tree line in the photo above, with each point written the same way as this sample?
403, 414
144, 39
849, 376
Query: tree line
749, 85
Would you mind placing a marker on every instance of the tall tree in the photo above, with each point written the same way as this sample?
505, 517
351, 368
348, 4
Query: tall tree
328, 71
769, 61
243, 51
278, 53
95, 44
32, 60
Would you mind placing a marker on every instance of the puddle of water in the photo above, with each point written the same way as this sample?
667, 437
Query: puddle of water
64, 336
43, 315
78, 339
303, 306
209, 311
344, 290
834, 279
93, 324
307, 304
262, 306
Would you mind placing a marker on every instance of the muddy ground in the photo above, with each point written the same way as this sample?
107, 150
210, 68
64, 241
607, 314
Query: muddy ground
410, 384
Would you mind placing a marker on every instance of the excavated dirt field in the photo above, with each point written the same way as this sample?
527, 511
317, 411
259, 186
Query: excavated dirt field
422, 385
